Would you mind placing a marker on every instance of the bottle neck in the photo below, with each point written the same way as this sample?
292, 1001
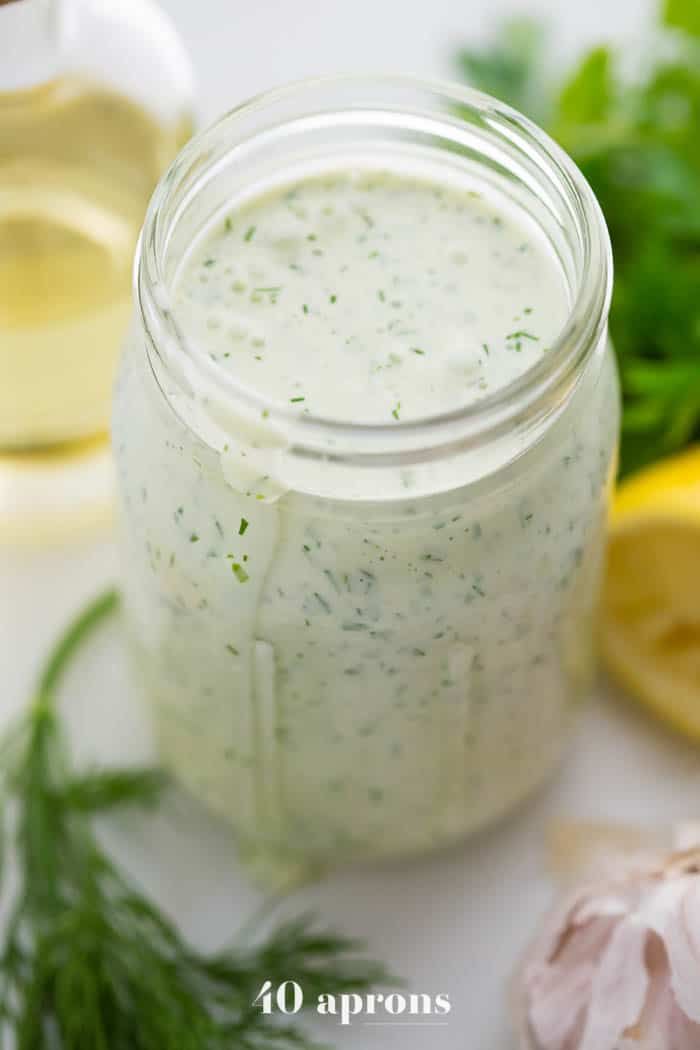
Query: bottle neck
30, 43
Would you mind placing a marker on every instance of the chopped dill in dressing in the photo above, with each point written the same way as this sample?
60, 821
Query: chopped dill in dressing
348, 676
346, 280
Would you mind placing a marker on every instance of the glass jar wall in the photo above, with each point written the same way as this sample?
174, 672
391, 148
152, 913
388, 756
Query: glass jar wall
362, 639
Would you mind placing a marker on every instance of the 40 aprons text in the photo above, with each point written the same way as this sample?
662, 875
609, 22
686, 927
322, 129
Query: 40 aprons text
288, 998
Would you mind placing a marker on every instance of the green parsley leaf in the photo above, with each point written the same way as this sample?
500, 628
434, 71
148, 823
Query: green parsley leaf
637, 143
587, 97
683, 14
510, 66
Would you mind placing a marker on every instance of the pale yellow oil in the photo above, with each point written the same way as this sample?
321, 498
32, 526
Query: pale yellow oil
78, 164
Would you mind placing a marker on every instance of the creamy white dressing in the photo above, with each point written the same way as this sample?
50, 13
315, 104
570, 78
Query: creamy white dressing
343, 678
372, 298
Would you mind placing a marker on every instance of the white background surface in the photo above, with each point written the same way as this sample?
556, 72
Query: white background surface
454, 923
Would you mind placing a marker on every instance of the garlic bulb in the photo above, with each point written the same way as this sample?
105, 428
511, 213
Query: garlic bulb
617, 965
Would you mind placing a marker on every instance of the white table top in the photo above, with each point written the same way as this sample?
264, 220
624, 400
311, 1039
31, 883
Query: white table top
454, 923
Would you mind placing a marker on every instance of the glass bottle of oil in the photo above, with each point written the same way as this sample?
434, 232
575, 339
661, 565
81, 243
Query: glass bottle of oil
95, 100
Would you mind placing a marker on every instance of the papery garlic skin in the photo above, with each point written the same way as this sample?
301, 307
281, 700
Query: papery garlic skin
617, 965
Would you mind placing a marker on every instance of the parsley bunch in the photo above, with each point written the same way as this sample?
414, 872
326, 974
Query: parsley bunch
638, 143
87, 962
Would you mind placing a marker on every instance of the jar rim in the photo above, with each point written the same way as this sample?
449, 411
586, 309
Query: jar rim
535, 395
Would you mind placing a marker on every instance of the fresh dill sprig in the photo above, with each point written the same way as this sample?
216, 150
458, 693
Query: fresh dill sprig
87, 962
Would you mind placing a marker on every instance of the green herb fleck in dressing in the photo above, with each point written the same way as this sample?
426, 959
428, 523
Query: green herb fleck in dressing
377, 267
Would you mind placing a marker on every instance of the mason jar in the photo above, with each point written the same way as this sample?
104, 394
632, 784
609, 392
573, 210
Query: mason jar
364, 640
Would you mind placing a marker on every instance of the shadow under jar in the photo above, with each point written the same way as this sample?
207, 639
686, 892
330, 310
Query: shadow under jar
361, 587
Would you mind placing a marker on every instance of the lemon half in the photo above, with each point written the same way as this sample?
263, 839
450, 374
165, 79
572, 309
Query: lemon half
651, 598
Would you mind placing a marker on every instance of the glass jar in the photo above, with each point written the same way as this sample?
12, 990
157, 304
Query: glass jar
397, 657
95, 102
